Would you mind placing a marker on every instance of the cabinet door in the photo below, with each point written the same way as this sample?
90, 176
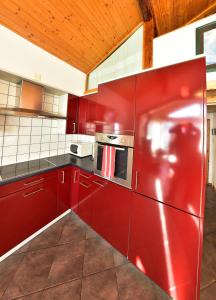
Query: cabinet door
169, 154
75, 175
24, 212
116, 106
87, 114
86, 189
64, 192
72, 114
165, 245
110, 216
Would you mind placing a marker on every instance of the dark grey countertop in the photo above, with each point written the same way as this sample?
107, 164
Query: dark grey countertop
15, 172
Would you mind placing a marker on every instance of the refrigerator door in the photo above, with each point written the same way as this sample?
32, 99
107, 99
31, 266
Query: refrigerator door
165, 244
169, 139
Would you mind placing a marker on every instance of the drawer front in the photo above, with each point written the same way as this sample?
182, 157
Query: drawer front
30, 181
85, 175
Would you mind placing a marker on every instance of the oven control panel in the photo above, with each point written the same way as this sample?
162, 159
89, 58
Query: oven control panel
115, 139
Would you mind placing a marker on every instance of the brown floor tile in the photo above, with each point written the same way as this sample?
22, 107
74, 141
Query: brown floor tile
35, 296
209, 293
67, 291
100, 286
8, 268
208, 270
32, 273
73, 231
50, 237
68, 262
90, 233
98, 256
133, 284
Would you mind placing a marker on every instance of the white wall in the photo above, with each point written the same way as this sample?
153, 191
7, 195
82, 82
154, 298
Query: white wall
126, 60
20, 57
178, 45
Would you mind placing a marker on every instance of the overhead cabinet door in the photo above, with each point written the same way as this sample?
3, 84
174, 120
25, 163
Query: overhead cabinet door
169, 146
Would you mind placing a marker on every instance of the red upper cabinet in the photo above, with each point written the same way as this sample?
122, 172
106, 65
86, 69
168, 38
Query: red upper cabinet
165, 245
169, 154
115, 106
72, 114
87, 114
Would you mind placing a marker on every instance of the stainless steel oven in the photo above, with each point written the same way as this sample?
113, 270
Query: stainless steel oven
123, 145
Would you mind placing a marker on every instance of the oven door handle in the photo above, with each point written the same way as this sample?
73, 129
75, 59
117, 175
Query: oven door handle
117, 148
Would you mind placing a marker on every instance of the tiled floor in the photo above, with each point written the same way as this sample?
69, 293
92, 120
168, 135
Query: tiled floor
69, 261
208, 281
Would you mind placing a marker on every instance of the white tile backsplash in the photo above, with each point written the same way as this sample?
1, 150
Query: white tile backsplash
4, 88
27, 138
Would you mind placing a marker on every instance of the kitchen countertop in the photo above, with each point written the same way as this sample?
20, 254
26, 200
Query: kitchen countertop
15, 172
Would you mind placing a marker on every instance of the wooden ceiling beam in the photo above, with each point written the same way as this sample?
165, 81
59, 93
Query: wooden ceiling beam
146, 9
148, 13
148, 36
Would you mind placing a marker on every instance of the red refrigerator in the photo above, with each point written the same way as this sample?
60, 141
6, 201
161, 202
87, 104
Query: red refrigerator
169, 177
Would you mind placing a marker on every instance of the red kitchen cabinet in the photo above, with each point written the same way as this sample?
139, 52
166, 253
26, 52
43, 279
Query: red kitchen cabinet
116, 106
110, 213
86, 189
72, 114
75, 175
64, 191
26, 211
169, 155
165, 245
87, 114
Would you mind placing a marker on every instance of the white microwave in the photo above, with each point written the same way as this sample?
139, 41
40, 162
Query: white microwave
81, 148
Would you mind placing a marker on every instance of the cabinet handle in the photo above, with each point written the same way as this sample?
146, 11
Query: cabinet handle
74, 127
85, 176
63, 177
85, 185
98, 183
32, 193
136, 180
34, 181
75, 177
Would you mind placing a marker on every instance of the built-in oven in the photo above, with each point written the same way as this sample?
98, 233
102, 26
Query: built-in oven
121, 148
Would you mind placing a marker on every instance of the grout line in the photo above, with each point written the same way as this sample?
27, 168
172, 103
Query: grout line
208, 285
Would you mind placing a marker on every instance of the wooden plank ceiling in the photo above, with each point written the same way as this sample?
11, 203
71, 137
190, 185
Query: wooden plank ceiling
80, 32
84, 32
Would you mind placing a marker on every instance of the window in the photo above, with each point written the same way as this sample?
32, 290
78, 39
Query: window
206, 43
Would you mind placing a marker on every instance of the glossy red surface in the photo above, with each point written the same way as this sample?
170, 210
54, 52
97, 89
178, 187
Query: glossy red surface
87, 114
72, 114
110, 213
74, 197
24, 212
64, 191
86, 189
115, 106
169, 154
164, 244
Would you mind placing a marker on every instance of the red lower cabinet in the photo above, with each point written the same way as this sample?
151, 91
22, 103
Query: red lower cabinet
24, 212
165, 245
64, 193
110, 213
86, 189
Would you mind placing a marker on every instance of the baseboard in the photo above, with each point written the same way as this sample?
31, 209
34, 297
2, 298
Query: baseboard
4, 256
